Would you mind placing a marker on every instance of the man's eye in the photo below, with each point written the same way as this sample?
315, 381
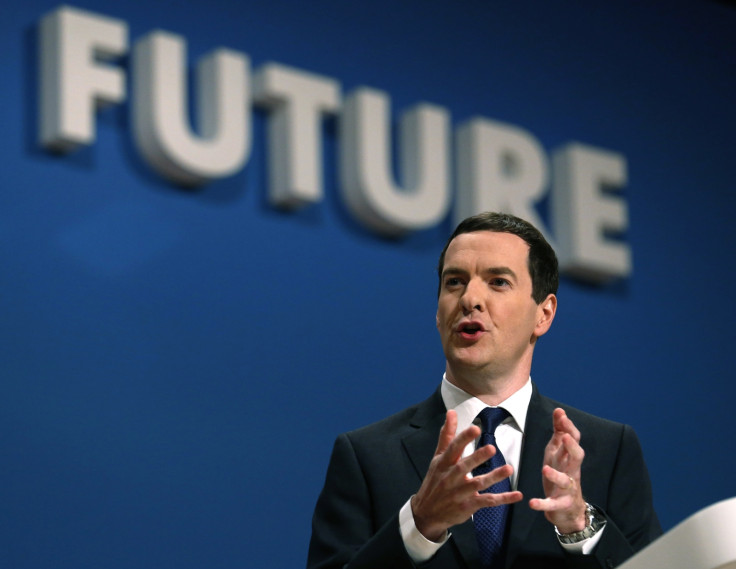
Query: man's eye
452, 281
499, 282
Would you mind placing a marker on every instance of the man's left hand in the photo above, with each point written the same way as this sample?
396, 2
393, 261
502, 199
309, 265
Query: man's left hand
563, 505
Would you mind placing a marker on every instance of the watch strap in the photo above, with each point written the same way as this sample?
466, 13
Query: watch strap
595, 521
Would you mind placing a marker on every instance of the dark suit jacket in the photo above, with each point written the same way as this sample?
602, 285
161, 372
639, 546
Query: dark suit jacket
374, 470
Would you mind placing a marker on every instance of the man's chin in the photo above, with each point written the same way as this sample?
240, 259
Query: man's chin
465, 363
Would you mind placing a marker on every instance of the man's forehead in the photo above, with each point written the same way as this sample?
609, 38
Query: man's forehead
490, 252
490, 242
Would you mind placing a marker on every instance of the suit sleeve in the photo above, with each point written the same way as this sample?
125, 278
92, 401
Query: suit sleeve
632, 523
344, 533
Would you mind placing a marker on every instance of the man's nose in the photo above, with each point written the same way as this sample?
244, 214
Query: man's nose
472, 298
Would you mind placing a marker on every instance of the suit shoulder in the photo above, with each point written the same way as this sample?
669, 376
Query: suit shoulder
585, 420
390, 424
400, 423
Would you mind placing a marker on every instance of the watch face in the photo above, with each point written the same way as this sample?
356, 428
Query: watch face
596, 519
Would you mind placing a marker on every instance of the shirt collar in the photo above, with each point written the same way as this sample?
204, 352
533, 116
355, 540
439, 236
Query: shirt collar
467, 407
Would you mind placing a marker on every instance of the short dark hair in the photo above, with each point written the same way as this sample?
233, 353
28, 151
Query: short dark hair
542, 261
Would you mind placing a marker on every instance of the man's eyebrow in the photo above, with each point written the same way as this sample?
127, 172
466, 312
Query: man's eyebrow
501, 271
489, 271
453, 271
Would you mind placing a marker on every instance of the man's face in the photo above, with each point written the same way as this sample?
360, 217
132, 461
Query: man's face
486, 316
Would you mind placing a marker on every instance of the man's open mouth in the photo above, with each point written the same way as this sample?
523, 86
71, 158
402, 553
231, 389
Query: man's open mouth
470, 329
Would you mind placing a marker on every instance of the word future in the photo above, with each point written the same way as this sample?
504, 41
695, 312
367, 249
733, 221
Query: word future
498, 166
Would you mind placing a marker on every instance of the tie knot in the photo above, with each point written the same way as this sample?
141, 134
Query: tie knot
492, 417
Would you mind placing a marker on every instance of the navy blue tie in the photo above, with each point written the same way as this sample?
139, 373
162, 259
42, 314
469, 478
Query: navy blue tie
490, 523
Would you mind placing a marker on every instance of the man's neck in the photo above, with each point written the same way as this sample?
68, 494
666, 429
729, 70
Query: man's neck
490, 389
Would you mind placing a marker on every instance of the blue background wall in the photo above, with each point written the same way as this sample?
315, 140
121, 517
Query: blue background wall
161, 348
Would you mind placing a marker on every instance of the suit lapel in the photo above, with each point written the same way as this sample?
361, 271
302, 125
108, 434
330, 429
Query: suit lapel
537, 432
421, 443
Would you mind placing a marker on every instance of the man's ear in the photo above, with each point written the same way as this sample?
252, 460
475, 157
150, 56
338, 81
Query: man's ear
546, 311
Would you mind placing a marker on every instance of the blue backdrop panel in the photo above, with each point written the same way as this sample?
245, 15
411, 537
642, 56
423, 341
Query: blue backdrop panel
176, 363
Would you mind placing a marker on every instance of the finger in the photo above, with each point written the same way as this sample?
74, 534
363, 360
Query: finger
489, 500
568, 457
447, 432
563, 424
454, 451
562, 480
478, 457
561, 459
554, 444
458, 481
495, 476
546, 504
574, 450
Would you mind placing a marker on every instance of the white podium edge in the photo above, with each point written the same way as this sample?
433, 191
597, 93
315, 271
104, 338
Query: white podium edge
705, 540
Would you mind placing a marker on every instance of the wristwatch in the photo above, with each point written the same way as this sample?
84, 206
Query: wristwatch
595, 522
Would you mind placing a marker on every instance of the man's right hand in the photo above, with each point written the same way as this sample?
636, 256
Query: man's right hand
449, 495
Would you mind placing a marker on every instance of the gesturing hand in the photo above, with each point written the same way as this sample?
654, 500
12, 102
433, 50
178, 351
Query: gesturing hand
448, 495
563, 505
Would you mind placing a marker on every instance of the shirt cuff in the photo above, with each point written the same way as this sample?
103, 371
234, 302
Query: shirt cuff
586, 546
419, 548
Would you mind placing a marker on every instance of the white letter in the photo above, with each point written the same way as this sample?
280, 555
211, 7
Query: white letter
500, 167
365, 164
583, 213
72, 84
160, 110
297, 100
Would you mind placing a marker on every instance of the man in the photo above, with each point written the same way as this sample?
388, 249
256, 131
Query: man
411, 490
